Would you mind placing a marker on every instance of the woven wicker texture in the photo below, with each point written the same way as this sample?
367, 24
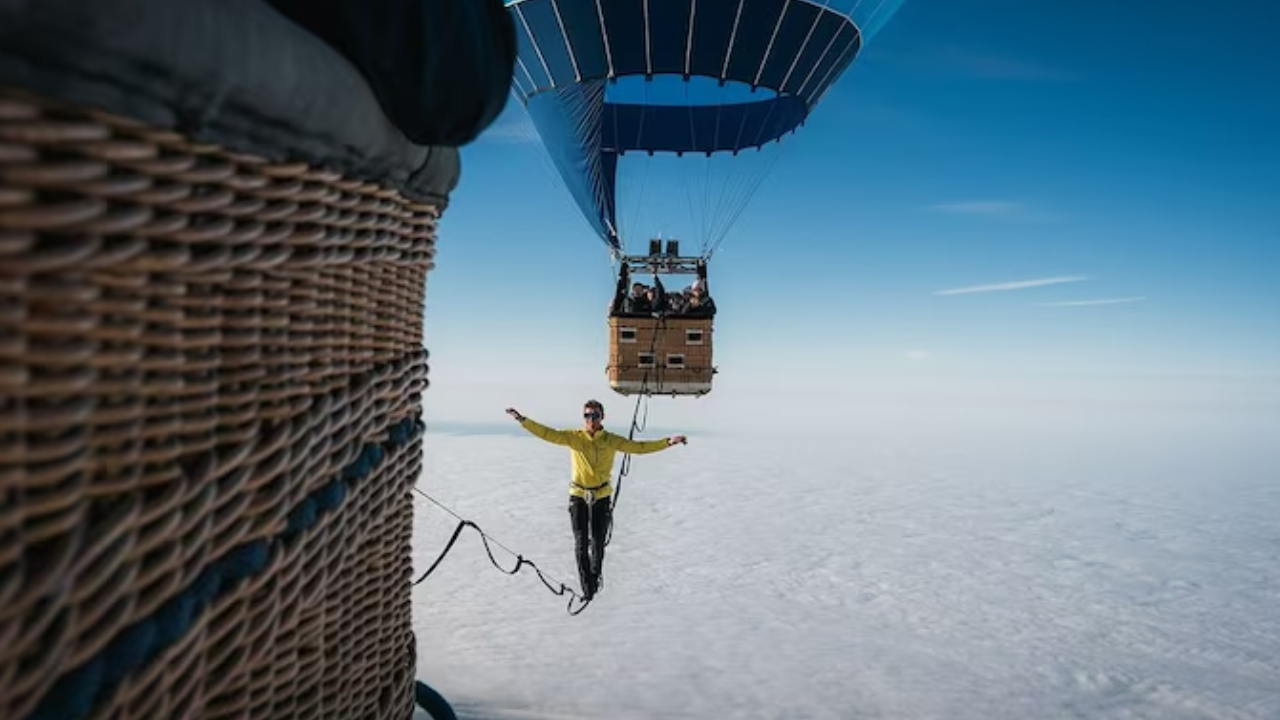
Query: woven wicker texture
673, 338
199, 351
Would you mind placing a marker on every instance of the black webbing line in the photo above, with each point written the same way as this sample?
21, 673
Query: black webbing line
555, 586
624, 468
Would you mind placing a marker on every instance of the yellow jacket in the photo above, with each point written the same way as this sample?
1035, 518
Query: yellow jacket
592, 455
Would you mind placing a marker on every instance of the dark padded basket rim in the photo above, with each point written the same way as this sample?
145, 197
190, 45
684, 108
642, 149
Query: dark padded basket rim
197, 68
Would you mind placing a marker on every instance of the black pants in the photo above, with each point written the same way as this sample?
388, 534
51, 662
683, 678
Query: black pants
589, 528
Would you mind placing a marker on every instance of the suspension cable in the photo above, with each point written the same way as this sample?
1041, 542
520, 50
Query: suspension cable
624, 467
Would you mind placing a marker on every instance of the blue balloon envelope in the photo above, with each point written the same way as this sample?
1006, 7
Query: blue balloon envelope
703, 81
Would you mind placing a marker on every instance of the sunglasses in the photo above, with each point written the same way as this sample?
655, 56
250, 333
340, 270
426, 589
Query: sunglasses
593, 415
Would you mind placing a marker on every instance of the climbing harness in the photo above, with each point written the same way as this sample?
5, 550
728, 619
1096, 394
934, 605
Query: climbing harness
589, 493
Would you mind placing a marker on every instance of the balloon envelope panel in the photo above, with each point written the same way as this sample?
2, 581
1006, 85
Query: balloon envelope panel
745, 74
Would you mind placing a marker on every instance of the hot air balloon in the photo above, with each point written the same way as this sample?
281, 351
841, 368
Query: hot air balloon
709, 87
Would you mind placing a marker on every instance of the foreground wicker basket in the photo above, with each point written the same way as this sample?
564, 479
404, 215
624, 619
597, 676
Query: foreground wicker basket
210, 374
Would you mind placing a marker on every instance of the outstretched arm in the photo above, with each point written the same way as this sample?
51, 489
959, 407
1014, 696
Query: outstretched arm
643, 447
540, 431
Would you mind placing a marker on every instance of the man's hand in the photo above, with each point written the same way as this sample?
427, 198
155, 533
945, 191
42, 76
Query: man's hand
677, 440
515, 414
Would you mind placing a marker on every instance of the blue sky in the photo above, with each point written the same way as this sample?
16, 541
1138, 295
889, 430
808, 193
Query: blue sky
1040, 157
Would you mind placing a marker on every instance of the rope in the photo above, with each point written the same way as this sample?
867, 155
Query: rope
624, 468
558, 588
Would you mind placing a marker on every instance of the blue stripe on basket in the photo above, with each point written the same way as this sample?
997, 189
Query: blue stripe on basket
76, 693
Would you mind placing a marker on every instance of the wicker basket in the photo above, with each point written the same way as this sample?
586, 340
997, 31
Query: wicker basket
210, 374
670, 355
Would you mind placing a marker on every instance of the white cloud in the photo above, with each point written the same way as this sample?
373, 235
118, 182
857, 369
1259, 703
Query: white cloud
917, 354
995, 211
970, 62
1080, 303
979, 207
982, 64
1014, 285
912, 487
